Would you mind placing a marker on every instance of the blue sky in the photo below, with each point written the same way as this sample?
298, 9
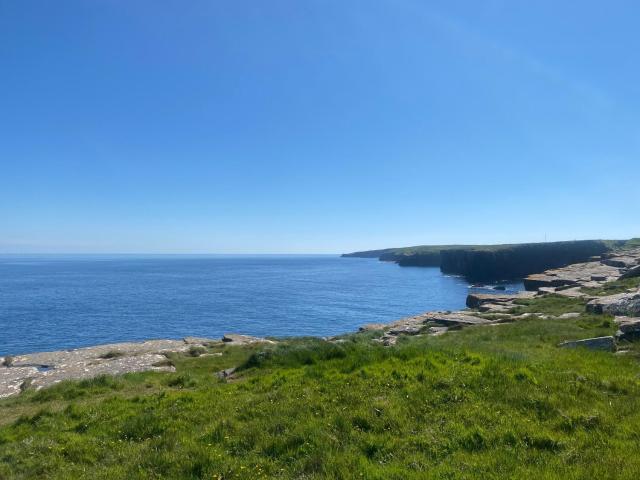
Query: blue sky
315, 126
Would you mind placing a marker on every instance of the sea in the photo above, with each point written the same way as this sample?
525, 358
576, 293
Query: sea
54, 302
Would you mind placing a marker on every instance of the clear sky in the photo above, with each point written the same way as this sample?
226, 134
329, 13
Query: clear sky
316, 126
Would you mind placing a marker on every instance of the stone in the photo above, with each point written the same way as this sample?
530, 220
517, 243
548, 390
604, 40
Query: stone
238, 339
369, 327
12, 379
454, 319
200, 341
475, 300
627, 304
117, 366
437, 331
628, 328
574, 275
622, 261
632, 272
405, 330
44, 369
227, 373
568, 315
598, 343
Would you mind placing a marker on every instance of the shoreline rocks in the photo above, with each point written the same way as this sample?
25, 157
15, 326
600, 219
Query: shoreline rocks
43, 369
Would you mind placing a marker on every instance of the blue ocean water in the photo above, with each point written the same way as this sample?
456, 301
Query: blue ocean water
52, 302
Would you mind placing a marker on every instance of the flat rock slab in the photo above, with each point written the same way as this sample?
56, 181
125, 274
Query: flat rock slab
475, 300
369, 327
118, 366
597, 343
12, 378
44, 369
68, 357
626, 304
578, 274
238, 339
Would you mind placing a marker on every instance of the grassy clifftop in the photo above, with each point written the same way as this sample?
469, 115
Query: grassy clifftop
485, 402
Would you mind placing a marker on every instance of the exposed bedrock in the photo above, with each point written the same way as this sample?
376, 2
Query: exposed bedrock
627, 304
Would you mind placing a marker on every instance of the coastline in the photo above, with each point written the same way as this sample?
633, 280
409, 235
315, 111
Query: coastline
43, 369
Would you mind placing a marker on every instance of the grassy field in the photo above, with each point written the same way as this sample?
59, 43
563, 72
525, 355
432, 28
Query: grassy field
486, 402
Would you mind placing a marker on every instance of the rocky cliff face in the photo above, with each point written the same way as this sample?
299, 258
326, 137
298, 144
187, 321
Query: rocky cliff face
518, 260
496, 262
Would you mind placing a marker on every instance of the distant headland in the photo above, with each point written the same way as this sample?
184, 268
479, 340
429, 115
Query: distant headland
496, 262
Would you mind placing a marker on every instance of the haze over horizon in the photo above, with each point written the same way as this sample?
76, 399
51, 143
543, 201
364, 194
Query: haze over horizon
315, 127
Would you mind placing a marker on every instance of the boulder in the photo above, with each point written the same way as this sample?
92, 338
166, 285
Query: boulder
597, 343
227, 373
627, 304
628, 328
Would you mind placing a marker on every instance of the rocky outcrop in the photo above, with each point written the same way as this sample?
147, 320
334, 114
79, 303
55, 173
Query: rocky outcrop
619, 304
598, 343
628, 328
238, 339
478, 300
429, 323
43, 369
587, 274
595, 273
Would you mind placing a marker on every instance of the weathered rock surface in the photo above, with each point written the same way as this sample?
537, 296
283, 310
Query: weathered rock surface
597, 343
628, 328
619, 304
476, 300
44, 369
238, 339
12, 378
429, 323
578, 274
368, 327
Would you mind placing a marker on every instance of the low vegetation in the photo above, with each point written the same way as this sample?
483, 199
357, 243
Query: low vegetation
484, 402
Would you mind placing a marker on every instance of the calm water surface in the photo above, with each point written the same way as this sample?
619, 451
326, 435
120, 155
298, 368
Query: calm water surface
57, 302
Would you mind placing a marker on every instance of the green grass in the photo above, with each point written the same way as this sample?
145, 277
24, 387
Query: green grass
485, 402
548, 305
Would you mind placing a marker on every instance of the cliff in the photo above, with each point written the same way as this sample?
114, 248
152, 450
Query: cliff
495, 262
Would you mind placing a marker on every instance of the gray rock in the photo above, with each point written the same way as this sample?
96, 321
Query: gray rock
238, 339
597, 343
627, 304
200, 341
44, 369
578, 274
628, 328
224, 374
632, 272
568, 315
475, 300
437, 331
621, 261
405, 330
12, 378
372, 327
